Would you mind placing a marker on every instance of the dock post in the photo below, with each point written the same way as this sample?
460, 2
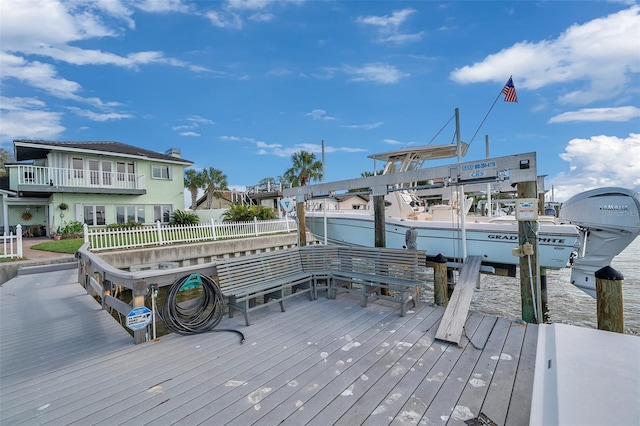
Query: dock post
528, 263
609, 300
543, 295
380, 237
440, 285
378, 217
139, 290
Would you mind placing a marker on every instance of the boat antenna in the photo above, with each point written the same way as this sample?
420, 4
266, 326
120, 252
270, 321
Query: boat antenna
440, 131
494, 104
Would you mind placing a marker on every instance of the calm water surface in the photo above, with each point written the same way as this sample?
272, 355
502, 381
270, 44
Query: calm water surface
567, 304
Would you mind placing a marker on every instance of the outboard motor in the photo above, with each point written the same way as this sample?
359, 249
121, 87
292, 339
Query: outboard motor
608, 220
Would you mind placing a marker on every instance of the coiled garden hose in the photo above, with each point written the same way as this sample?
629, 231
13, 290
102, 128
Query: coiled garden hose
198, 315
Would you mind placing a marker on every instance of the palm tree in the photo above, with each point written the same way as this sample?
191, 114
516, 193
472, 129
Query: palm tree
305, 169
5, 157
214, 181
193, 181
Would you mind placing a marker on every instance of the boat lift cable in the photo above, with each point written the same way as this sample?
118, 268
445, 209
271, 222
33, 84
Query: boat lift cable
440, 131
198, 315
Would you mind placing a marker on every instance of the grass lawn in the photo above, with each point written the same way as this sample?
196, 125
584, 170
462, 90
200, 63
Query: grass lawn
62, 246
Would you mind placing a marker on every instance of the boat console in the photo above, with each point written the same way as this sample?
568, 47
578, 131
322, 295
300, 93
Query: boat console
608, 220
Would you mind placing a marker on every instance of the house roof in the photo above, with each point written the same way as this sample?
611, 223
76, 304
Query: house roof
225, 195
348, 196
27, 149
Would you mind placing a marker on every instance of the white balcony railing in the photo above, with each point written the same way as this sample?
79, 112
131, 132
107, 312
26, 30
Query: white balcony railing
61, 177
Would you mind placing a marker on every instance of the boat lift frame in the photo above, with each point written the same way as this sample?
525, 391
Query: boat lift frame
514, 168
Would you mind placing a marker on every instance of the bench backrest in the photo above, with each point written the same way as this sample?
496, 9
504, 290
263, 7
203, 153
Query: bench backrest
319, 259
391, 262
241, 271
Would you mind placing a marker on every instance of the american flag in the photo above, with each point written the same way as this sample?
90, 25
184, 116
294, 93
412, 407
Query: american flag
510, 91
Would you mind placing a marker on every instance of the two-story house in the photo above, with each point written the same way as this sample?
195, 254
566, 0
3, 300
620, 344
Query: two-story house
97, 183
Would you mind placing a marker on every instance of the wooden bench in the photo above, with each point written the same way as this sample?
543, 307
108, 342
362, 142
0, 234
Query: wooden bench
320, 260
369, 270
275, 276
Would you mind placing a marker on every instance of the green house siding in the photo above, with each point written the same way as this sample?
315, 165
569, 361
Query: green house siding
100, 182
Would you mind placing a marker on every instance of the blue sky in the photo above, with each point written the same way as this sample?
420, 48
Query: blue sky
242, 84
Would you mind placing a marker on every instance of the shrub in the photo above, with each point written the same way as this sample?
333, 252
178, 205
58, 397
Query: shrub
179, 217
240, 213
73, 229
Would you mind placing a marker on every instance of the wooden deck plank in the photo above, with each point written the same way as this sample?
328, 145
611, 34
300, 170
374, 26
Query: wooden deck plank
435, 372
219, 392
319, 375
445, 406
402, 361
328, 403
477, 383
173, 372
520, 404
247, 401
212, 377
496, 403
455, 315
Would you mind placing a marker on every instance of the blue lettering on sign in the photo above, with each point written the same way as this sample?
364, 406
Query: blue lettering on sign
479, 166
477, 174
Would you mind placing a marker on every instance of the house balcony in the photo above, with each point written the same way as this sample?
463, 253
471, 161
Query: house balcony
42, 179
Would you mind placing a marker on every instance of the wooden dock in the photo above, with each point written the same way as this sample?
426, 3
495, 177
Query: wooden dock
323, 362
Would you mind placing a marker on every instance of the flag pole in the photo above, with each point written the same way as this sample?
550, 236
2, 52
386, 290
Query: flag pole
489, 112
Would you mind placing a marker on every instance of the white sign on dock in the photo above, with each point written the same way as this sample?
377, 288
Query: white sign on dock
138, 318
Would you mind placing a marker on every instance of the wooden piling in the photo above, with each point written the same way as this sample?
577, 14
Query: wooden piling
528, 264
543, 295
378, 218
380, 237
609, 300
440, 285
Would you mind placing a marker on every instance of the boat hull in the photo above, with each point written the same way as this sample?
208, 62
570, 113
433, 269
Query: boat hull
493, 242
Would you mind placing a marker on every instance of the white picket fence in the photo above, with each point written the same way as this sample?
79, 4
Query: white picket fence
107, 239
11, 244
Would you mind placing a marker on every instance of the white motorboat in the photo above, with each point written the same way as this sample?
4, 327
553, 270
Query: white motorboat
593, 227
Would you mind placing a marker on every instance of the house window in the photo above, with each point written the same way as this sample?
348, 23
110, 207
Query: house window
160, 172
125, 172
94, 215
77, 166
162, 213
125, 214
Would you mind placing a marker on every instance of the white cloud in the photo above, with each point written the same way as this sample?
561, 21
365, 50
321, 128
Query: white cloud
600, 55
27, 118
388, 27
161, 6
99, 116
598, 114
198, 120
195, 122
224, 20
257, 4
280, 150
597, 162
376, 72
368, 126
319, 114
262, 17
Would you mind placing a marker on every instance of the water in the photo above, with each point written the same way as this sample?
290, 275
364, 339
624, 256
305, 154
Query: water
567, 304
